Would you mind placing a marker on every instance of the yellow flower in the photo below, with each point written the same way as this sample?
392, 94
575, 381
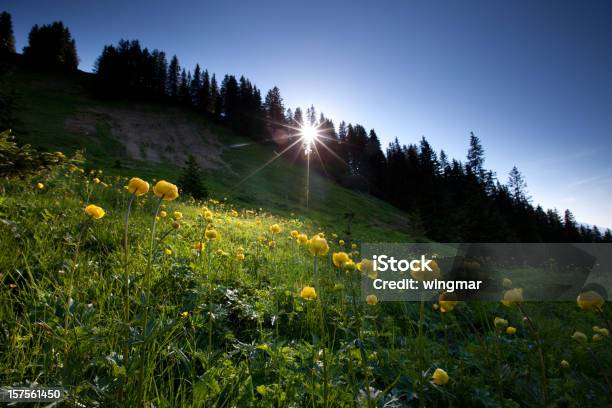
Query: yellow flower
40, 186
447, 302
590, 300
334, 235
601, 330
579, 336
211, 234
199, 246
499, 322
94, 211
371, 300
439, 377
272, 244
234, 213
240, 256
138, 186
597, 337
177, 215
565, 364
353, 246
275, 228
507, 283
512, 297
349, 266
427, 275
163, 214
339, 258
435, 306
96, 180
341, 242
184, 315
294, 234
510, 330
317, 246
168, 251
302, 239
308, 293
165, 190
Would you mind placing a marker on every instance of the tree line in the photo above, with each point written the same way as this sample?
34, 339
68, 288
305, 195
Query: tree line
449, 199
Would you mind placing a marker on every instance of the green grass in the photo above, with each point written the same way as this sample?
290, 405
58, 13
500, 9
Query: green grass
264, 346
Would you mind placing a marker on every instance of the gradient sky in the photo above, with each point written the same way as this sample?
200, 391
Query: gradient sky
532, 79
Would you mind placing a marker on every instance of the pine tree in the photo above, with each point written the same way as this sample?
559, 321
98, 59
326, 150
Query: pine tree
475, 158
190, 180
517, 186
51, 47
275, 111
7, 38
205, 97
216, 98
174, 72
195, 86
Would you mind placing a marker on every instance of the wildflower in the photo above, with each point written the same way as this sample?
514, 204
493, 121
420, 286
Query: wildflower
275, 228
240, 256
177, 215
339, 258
168, 251
353, 246
302, 239
507, 283
435, 306
367, 266
272, 244
334, 236
234, 213
138, 186
601, 330
94, 211
96, 180
208, 216
447, 302
184, 315
165, 190
163, 214
318, 246
199, 246
590, 300
565, 364
371, 300
510, 330
308, 293
499, 322
176, 225
512, 297
211, 234
341, 242
439, 377
597, 337
40, 186
427, 275
579, 336
349, 266
294, 234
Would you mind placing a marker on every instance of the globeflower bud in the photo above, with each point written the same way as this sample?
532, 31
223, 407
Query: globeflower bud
94, 211
165, 190
138, 187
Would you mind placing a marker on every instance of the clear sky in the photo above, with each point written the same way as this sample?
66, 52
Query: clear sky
532, 79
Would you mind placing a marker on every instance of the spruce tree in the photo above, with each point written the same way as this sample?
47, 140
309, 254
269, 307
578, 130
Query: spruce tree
174, 72
7, 38
190, 180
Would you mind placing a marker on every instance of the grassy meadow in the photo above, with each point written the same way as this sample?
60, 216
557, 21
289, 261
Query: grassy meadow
256, 313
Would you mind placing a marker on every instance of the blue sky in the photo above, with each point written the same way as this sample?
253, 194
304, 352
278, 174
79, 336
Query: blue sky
531, 79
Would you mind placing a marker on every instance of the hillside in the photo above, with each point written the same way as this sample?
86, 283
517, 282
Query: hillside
57, 112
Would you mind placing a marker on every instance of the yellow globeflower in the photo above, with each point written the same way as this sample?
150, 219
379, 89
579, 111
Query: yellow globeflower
439, 377
211, 234
512, 297
317, 246
447, 302
499, 322
590, 300
308, 293
302, 239
427, 275
94, 211
199, 246
96, 180
165, 190
275, 228
371, 300
597, 337
272, 244
138, 186
507, 283
565, 364
339, 258
177, 215
294, 234
163, 214
240, 256
234, 213
168, 251
602, 331
341, 242
40, 186
353, 246
579, 336
510, 330
349, 266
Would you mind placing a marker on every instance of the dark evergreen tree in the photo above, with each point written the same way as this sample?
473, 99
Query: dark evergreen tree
7, 38
275, 111
195, 86
204, 100
174, 73
475, 158
190, 180
51, 47
517, 186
